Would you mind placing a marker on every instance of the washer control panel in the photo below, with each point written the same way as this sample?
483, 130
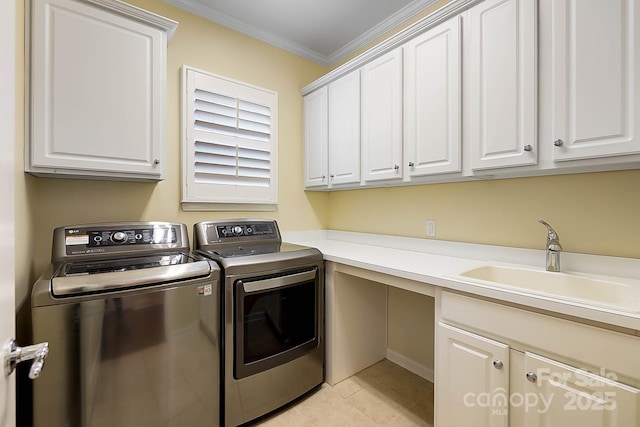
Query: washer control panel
140, 236
111, 238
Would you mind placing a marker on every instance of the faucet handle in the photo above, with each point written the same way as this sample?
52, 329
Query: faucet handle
553, 240
552, 232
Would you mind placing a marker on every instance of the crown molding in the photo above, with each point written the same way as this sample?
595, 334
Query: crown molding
452, 9
210, 13
216, 16
388, 24
130, 11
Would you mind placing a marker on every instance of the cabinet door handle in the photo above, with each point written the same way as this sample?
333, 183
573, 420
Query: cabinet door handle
558, 143
411, 164
156, 161
532, 377
498, 364
528, 148
396, 167
323, 177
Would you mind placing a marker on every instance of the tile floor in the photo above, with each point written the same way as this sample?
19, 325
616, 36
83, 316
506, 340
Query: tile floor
384, 394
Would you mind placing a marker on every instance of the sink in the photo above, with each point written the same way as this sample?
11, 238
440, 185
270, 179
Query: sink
619, 293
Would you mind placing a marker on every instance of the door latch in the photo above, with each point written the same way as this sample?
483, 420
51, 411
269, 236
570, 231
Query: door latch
14, 355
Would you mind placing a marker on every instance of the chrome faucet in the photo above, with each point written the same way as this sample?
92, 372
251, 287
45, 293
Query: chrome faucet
553, 248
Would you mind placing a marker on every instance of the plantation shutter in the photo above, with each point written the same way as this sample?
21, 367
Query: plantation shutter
230, 139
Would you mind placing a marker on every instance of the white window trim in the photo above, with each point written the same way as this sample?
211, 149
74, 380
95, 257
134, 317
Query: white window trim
206, 196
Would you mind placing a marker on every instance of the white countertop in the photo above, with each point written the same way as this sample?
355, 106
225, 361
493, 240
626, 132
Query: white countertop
437, 262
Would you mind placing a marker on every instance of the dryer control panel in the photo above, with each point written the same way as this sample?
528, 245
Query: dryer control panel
237, 231
246, 230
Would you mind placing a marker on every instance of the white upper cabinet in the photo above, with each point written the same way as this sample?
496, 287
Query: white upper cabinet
499, 88
332, 134
382, 117
316, 139
500, 52
432, 101
97, 90
595, 48
344, 130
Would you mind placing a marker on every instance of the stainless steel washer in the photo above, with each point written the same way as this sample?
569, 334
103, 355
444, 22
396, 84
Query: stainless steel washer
132, 319
273, 328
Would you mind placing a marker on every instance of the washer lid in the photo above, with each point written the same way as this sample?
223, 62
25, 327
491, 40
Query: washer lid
77, 278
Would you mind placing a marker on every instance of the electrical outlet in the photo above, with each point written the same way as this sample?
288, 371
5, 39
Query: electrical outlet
430, 228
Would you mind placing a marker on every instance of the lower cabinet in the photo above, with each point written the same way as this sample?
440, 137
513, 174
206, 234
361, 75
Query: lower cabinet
482, 382
470, 371
556, 394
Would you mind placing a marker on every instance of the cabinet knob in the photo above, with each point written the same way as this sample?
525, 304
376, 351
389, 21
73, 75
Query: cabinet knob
558, 143
528, 148
411, 164
498, 364
532, 377
396, 167
323, 177
156, 161
331, 176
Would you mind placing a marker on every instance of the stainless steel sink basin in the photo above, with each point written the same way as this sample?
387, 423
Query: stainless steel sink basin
622, 294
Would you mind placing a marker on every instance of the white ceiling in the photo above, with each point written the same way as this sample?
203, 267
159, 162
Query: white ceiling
323, 31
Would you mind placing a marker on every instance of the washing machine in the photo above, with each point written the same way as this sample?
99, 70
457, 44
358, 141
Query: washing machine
132, 320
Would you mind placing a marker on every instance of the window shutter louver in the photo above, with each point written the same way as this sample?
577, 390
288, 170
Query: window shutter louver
230, 137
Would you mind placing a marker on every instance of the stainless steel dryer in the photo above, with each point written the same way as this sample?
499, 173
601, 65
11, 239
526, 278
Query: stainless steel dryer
132, 320
273, 328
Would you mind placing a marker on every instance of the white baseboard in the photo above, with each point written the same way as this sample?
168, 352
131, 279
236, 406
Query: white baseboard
411, 365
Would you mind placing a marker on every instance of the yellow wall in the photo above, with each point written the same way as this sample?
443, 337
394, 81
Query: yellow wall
24, 185
595, 213
410, 326
46, 203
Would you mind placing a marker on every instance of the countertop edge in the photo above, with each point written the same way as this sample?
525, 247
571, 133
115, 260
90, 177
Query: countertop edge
434, 262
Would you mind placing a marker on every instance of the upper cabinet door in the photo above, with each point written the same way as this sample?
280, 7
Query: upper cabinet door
382, 117
98, 84
596, 92
501, 52
432, 101
344, 130
316, 148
